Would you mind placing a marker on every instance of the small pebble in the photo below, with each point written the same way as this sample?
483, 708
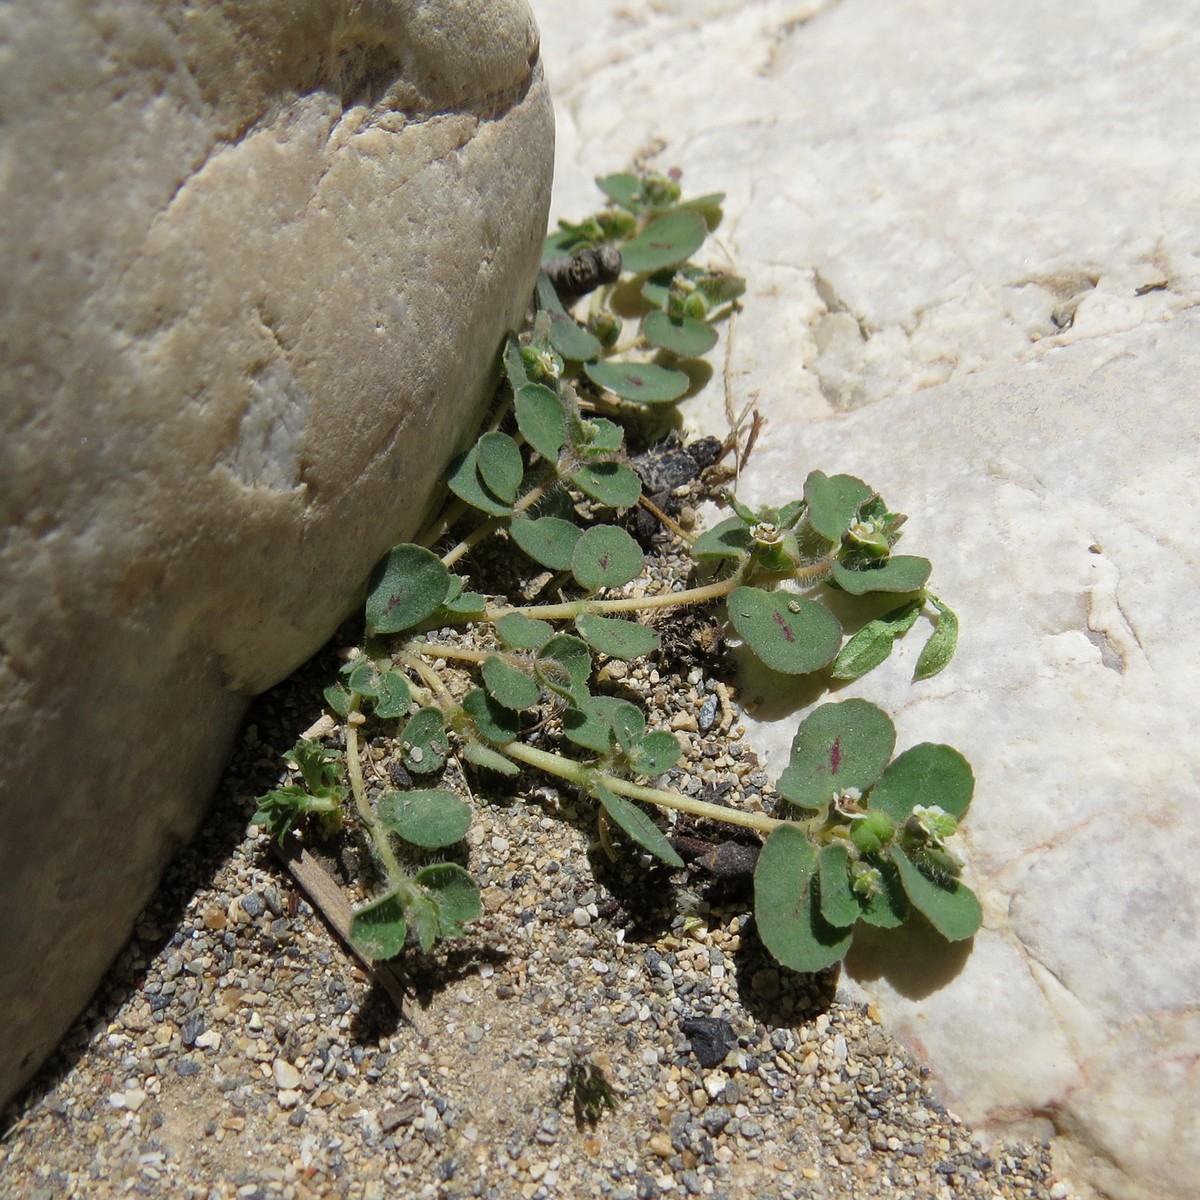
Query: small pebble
286, 1075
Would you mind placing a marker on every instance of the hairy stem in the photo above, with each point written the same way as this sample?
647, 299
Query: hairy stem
576, 608
585, 777
397, 877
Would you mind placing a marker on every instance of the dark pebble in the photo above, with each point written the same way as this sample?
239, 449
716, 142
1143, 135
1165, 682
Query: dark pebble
187, 1066
711, 1039
191, 1029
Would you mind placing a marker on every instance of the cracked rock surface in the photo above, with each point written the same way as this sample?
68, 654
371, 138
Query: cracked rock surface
257, 263
973, 263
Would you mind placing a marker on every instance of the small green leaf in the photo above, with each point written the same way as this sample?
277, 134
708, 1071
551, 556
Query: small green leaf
888, 908
430, 817
406, 587
567, 336
836, 747
952, 910
657, 289
928, 774
500, 465
550, 541
833, 502
519, 632
668, 240
789, 923
602, 436
616, 638
592, 723
489, 759
465, 481
709, 207
363, 677
514, 364
642, 383
655, 753
623, 189
605, 557
838, 905
541, 419
495, 723
873, 642
686, 336
465, 604
456, 900
939, 650
565, 666
378, 929
424, 742
508, 684
900, 573
788, 633
338, 699
394, 696
611, 483
637, 826
729, 539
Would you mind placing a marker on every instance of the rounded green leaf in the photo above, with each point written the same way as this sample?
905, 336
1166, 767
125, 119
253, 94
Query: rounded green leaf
406, 587
424, 742
939, 650
495, 723
500, 465
838, 905
686, 336
550, 541
592, 724
952, 910
514, 364
378, 929
524, 633
657, 288
872, 644
638, 826
602, 436
338, 699
900, 573
394, 696
643, 383
606, 556
541, 419
888, 908
729, 539
788, 633
670, 239
508, 684
467, 484
833, 502
431, 817
837, 746
489, 759
616, 638
611, 483
565, 665
622, 189
790, 924
655, 753
456, 893
928, 774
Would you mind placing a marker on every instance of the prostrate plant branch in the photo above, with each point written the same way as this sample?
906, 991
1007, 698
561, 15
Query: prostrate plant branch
858, 839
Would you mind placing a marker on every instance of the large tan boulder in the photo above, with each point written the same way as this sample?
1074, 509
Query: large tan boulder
257, 261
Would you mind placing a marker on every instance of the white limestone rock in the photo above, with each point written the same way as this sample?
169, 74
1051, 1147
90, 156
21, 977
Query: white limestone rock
970, 242
257, 261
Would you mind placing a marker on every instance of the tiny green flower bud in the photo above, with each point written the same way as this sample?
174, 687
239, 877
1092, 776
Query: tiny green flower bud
933, 823
541, 363
865, 881
605, 327
873, 832
870, 538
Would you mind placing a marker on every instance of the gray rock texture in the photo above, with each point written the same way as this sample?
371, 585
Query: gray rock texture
257, 261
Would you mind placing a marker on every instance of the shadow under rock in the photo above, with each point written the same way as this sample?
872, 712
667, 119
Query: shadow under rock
915, 959
278, 717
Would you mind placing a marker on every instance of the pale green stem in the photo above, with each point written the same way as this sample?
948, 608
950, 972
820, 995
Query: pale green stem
489, 527
397, 877
587, 777
443, 650
577, 608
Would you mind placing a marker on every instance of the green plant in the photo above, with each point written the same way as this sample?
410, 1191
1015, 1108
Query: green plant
856, 838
